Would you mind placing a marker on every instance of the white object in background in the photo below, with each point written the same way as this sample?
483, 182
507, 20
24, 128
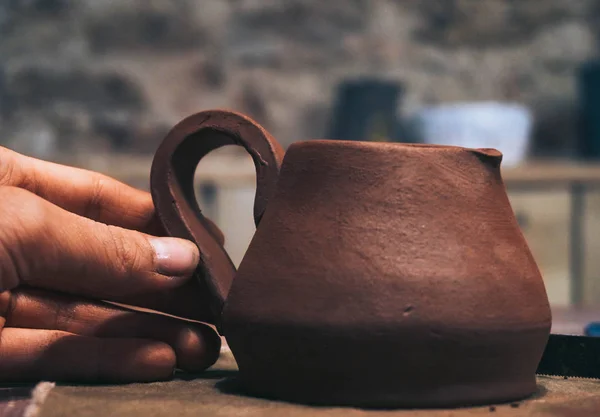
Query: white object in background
503, 126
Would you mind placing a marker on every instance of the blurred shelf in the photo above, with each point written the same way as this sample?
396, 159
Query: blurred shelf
558, 173
238, 167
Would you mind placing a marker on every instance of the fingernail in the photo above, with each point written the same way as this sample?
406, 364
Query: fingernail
175, 257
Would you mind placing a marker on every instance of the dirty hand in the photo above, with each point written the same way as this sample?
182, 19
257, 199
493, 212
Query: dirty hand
69, 241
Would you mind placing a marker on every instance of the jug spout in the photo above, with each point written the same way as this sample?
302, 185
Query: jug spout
490, 156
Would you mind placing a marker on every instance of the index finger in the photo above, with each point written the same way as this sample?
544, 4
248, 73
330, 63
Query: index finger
79, 191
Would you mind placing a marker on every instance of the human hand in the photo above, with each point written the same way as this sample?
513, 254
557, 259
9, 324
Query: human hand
70, 240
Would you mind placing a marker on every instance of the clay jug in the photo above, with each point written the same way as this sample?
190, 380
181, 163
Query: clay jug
380, 274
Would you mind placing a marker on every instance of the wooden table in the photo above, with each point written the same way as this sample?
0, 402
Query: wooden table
217, 393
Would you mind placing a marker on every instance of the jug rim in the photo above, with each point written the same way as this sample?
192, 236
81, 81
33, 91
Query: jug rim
387, 146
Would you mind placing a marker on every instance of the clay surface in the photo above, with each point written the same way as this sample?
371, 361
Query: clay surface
172, 188
380, 274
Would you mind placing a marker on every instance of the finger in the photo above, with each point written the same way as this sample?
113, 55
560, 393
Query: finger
45, 246
82, 192
86, 193
52, 355
196, 345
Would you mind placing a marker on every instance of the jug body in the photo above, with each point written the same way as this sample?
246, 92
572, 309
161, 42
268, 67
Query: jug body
380, 274
388, 275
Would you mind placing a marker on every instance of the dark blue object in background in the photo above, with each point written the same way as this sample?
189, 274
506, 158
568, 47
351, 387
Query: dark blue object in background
593, 329
588, 84
365, 110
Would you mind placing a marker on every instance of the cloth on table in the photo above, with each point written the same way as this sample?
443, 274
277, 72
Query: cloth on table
214, 393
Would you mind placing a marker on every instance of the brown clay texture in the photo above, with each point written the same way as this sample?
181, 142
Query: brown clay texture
172, 188
384, 275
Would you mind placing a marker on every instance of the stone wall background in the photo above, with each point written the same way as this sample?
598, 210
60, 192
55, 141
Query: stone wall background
98, 75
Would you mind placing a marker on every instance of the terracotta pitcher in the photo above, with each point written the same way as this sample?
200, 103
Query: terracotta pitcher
380, 274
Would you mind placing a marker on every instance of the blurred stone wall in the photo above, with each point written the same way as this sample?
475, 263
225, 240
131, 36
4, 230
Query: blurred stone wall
91, 75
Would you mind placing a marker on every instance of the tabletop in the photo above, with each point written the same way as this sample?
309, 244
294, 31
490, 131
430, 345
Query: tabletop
216, 393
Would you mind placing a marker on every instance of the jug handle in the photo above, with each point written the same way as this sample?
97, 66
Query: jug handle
172, 189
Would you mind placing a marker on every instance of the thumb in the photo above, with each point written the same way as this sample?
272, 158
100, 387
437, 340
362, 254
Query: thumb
45, 246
